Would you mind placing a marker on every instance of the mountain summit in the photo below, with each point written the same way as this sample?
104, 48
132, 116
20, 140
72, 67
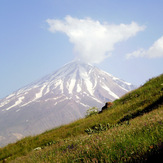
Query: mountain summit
57, 99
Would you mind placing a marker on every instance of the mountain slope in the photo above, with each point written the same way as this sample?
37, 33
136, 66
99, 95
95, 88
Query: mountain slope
137, 139
57, 99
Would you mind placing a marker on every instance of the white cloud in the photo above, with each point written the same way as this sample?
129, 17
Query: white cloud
155, 51
93, 41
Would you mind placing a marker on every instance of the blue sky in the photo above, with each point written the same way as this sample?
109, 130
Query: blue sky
38, 37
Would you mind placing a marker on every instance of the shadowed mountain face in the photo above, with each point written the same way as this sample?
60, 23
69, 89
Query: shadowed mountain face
57, 99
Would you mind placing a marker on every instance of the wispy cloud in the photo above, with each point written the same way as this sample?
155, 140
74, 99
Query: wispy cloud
93, 41
155, 51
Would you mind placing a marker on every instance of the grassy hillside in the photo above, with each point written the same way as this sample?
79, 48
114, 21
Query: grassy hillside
132, 129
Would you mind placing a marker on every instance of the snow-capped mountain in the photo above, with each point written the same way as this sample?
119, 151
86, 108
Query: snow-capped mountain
57, 99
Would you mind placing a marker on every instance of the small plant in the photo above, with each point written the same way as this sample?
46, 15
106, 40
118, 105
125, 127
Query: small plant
50, 143
99, 128
91, 111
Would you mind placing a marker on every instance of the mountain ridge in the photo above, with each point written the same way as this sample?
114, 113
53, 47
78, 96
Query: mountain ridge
58, 98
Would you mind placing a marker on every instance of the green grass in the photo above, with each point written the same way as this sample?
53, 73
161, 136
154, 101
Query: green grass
136, 140
128, 142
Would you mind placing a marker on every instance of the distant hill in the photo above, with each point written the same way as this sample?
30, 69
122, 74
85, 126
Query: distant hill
131, 130
57, 99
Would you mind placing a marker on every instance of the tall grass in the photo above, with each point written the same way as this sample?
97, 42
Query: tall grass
131, 142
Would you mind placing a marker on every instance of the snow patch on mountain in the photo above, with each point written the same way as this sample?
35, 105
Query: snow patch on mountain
10, 96
19, 101
78, 88
72, 83
110, 92
4, 103
40, 93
